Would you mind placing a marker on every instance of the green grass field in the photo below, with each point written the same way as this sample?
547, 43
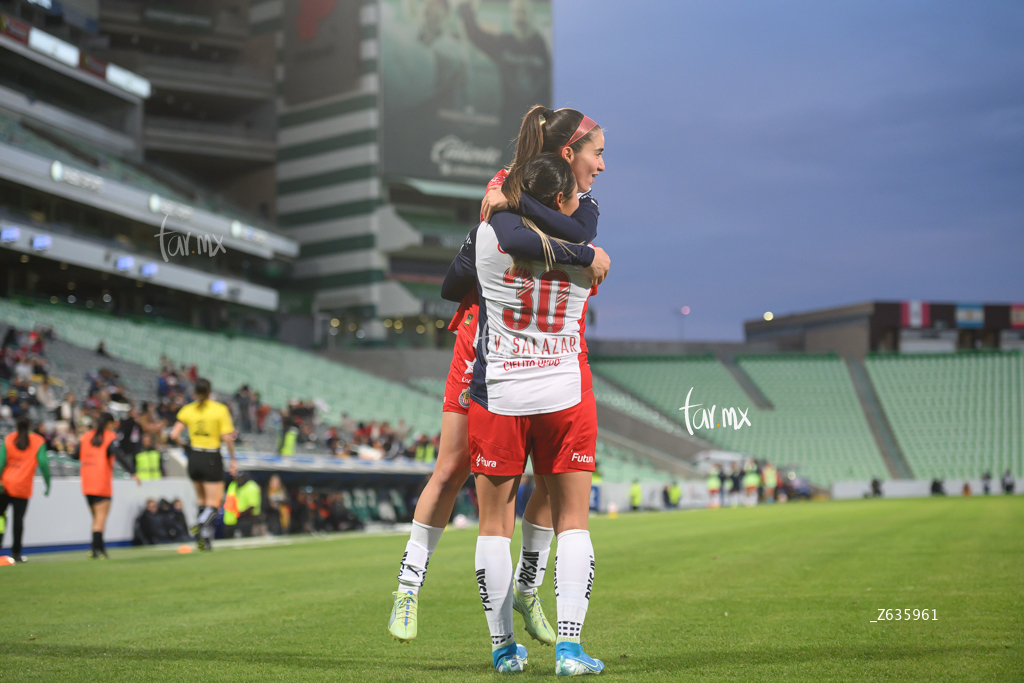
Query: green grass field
786, 591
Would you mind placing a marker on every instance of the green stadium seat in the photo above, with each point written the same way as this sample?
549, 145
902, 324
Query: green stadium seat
816, 426
954, 416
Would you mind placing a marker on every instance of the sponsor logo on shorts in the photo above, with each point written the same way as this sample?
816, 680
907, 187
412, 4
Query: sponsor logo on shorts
481, 461
464, 398
581, 457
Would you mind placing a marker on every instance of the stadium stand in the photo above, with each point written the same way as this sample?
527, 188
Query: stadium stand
78, 153
816, 425
280, 373
955, 415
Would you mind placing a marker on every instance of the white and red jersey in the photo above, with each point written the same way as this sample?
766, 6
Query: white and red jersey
531, 353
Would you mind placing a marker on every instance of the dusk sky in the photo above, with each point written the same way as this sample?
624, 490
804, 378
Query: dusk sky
787, 156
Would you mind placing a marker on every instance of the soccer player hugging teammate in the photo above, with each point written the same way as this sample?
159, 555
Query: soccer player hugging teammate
532, 393
581, 144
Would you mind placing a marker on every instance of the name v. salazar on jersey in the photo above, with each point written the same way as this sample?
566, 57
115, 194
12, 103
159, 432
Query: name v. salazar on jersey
556, 346
705, 419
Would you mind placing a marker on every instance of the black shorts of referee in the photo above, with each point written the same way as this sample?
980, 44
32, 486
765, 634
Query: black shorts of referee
205, 465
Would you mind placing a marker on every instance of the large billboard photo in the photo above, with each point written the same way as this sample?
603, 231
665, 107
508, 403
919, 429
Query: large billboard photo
457, 77
321, 49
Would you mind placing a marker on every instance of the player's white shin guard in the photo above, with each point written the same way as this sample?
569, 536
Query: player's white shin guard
413, 570
533, 558
574, 579
494, 579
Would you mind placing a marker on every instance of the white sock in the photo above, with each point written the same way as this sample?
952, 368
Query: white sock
533, 558
206, 521
413, 570
574, 579
494, 579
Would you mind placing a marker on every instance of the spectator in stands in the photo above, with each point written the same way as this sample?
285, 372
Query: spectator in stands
150, 423
64, 439
129, 434
101, 350
149, 464
22, 368
11, 338
986, 482
12, 404
39, 368
46, 396
1008, 483
262, 411
66, 411
243, 402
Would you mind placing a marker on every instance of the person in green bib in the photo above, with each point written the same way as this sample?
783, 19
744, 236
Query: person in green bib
636, 496
751, 482
675, 493
149, 464
425, 452
242, 505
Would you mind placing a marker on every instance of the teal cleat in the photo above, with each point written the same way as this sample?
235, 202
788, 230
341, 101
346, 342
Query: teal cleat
403, 617
528, 604
510, 659
571, 660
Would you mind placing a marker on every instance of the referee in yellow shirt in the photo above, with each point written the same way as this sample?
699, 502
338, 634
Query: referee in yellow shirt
209, 424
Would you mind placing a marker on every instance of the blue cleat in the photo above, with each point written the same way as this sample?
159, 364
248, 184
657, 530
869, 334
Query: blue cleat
510, 659
571, 660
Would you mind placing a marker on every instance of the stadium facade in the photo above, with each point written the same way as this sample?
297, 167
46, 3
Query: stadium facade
88, 219
333, 153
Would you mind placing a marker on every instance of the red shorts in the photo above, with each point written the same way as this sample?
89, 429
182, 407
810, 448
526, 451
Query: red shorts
460, 373
563, 441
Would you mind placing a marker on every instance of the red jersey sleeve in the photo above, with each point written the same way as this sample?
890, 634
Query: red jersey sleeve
471, 299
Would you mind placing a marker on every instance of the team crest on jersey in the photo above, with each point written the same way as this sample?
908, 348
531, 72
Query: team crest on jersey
469, 319
464, 398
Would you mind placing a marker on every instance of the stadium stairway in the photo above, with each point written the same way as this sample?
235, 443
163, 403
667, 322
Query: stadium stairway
879, 423
753, 391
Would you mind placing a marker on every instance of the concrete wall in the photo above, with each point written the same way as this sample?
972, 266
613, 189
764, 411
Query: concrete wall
695, 495
915, 488
63, 517
845, 340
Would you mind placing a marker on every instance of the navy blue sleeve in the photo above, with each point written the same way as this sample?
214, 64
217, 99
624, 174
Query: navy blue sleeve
461, 276
579, 228
520, 242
